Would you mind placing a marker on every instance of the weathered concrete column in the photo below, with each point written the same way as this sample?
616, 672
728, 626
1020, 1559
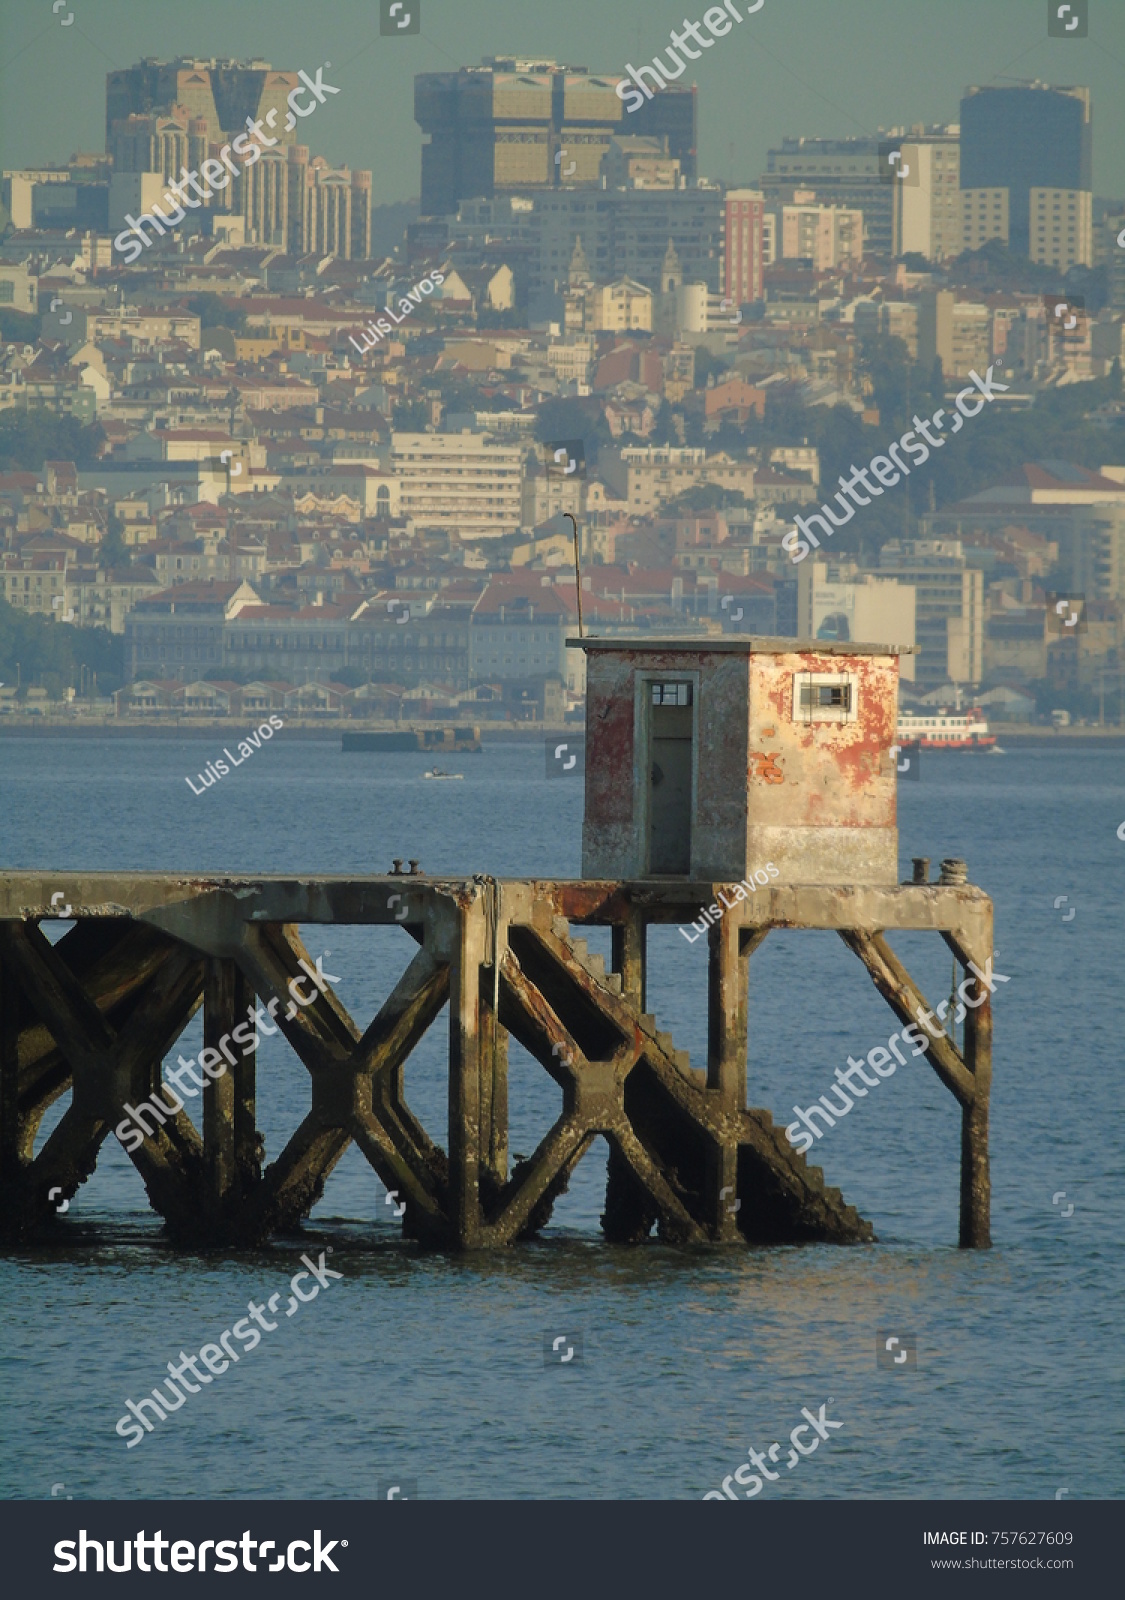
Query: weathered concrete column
226, 996
465, 1071
727, 977
721, 1199
976, 1184
493, 1091
629, 956
10, 1165
248, 1146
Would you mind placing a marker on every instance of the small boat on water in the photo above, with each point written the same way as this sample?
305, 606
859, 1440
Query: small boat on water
946, 729
436, 772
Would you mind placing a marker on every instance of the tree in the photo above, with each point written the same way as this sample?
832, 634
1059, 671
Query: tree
351, 677
52, 653
704, 497
410, 416
995, 266
706, 364
213, 312
19, 327
488, 318
112, 551
995, 442
664, 427
28, 438
900, 385
574, 419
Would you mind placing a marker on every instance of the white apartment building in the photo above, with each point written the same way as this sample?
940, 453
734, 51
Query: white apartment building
838, 603
959, 331
826, 235
104, 599
948, 604
550, 494
465, 481
571, 359
19, 290
984, 216
797, 458
927, 203
40, 588
93, 324
648, 476
1061, 228
617, 307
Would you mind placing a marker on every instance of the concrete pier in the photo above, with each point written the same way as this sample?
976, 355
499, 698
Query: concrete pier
97, 1013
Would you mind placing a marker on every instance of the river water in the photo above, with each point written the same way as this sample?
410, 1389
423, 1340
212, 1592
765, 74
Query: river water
428, 1372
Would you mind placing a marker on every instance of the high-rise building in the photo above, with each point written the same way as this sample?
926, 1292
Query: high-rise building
158, 143
948, 608
271, 199
743, 212
626, 233
524, 126
927, 204
467, 481
1061, 227
824, 235
64, 197
166, 116
836, 172
335, 210
957, 331
221, 94
1111, 229
839, 603
984, 216
1035, 142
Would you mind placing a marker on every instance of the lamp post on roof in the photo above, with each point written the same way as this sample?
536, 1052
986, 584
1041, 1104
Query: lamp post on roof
577, 573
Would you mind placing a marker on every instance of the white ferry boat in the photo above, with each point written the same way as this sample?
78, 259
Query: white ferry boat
946, 729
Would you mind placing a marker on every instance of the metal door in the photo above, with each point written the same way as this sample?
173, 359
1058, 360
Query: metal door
671, 725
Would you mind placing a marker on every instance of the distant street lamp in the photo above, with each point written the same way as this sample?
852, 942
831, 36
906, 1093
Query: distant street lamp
577, 573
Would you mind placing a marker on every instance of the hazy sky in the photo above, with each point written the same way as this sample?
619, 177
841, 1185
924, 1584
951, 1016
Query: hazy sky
819, 67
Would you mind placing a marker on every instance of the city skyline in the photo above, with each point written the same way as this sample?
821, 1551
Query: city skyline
781, 80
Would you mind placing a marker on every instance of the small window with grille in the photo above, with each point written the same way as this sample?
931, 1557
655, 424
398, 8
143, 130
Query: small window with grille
824, 697
671, 694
